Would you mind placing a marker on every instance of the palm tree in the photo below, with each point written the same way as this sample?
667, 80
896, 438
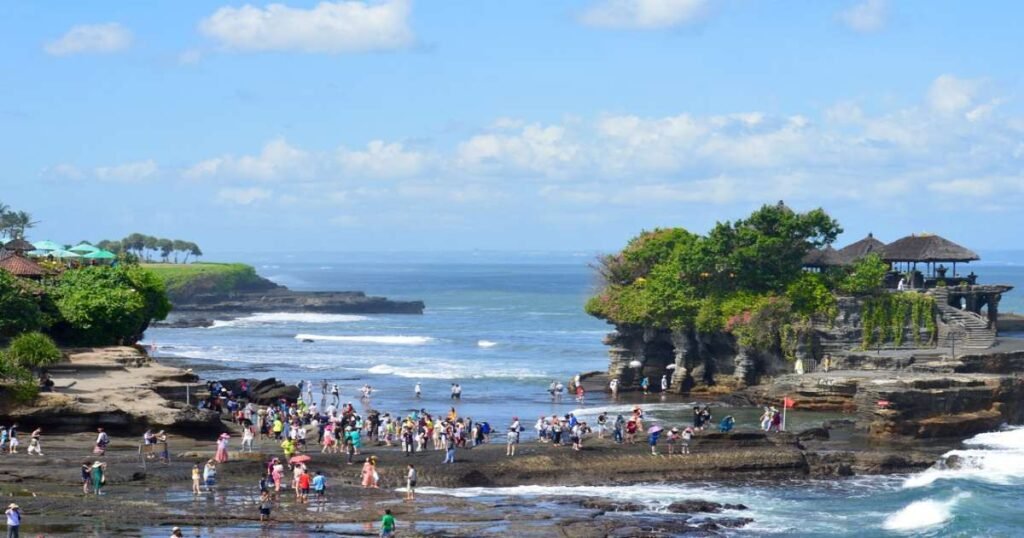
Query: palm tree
166, 247
17, 223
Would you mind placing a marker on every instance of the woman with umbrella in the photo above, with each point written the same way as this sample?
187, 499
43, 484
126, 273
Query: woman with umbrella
652, 438
222, 448
369, 473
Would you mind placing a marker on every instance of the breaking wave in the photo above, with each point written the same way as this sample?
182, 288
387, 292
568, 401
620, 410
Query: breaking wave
486, 343
362, 339
267, 318
923, 514
994, 457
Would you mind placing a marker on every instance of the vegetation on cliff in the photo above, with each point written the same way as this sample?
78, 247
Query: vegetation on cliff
26, 354
183, 281
98, 305
146, 246
746, 278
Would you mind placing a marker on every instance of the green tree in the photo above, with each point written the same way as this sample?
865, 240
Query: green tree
19, 307
166, 246
34, 351
108, 305
867, 276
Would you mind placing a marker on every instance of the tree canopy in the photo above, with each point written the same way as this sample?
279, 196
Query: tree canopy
146, 246
672, 278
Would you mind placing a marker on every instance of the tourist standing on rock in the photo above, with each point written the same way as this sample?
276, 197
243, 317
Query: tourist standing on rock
13, 435
197, 478
417, 390
86, 476
602, 424
673, 439
652, 438
664, 383
99, 471
320, 487
309, 390
684, 445
559, 389
266, 503
620, 425
247, 438
766, 419
776, 420
222, 448
513, 437
387, 525
102, 440
13, 520
645, 385
579, 394
335, 395
33, 443
369, 473
613, 386
323, 393
210, 474
165, 451
449, 448
176, 533
410, 483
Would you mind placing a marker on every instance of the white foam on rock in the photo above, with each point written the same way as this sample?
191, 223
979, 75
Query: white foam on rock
997, 459
268, 318
923, 514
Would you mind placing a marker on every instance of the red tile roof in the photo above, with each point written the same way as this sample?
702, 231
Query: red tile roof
20, 266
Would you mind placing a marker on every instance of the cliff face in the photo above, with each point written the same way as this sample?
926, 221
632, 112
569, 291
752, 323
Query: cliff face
237, 289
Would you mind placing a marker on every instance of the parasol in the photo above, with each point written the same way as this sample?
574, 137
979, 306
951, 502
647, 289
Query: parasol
299, 459
635, 364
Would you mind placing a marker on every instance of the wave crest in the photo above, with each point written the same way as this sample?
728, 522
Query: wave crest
366, 339
266, 318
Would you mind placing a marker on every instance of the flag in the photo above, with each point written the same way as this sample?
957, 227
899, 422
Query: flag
788, 402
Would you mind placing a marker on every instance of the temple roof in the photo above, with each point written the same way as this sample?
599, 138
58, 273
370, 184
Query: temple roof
19, 245
826, 257
20, 266
926, 248
855, 251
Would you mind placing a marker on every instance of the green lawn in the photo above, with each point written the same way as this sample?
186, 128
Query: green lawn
187, 278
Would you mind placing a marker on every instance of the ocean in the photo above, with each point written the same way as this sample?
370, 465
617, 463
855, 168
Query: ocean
504, 326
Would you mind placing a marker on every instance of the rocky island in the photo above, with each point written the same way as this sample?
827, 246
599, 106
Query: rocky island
199, 291
764, 311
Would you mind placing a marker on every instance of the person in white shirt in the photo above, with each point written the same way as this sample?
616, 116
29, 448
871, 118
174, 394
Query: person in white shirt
417, 390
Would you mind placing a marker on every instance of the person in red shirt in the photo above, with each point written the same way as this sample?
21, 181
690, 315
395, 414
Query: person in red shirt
304, 487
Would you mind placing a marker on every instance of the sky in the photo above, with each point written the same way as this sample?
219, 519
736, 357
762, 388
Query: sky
446, 125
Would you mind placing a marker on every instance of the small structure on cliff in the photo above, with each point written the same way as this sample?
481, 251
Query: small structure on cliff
723, 311
18, 265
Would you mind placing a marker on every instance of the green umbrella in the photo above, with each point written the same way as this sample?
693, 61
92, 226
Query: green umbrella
83, 248
47, 245
100, 255
64, 254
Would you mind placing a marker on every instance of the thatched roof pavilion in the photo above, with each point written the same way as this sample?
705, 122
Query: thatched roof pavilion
822, 258
18, 265
19, 245
855, 251
927, 248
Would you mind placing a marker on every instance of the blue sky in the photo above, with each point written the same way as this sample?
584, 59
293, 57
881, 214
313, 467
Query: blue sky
452, 125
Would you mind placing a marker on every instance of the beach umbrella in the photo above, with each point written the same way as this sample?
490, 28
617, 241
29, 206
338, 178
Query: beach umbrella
100, 255
672, 367
300, 459
83, 248
47, 245
37, 253
635, 364
64, 254
654, 429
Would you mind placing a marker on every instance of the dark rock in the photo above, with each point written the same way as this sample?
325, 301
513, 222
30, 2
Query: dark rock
611, 506
184, 323
731, 522
695, 506
475, 479
813, 434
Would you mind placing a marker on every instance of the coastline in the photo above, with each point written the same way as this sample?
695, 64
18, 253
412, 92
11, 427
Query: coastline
118, 382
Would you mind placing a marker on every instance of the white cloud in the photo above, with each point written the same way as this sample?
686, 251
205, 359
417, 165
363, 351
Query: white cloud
329, 27
867, 16
643, 14
384, 160
951, 142
533, 148
94, 38
278, 160
127, 172
243, 196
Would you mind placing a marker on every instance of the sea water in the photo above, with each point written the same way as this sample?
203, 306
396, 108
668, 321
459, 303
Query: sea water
505, 327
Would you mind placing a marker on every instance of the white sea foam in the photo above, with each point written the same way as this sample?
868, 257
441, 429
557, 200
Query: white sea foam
923, 514
366, 339
655, 497
267, 318
999, 459
439, 370
486, 343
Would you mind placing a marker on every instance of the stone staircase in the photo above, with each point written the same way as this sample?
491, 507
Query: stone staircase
974, 330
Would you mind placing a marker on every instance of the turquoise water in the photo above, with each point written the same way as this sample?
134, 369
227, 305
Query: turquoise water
505, 327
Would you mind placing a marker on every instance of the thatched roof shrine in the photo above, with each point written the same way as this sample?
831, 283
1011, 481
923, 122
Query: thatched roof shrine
855, 251
926, 248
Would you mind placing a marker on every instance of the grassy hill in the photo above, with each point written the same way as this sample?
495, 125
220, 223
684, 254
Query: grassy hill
186, 280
